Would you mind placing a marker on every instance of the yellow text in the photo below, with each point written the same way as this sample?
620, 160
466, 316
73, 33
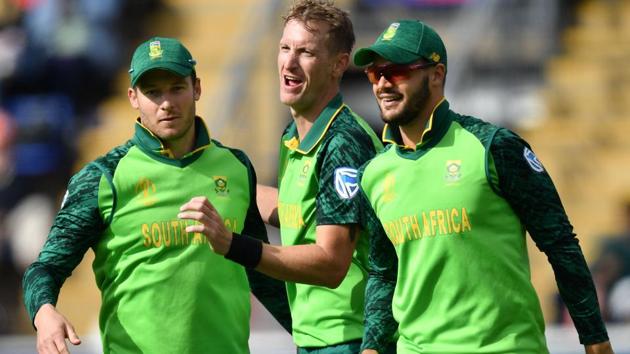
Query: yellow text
428, 224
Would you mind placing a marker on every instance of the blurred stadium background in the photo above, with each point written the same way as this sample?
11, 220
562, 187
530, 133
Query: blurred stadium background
555, 71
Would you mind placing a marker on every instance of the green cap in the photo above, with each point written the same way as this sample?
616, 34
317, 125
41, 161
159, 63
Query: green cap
404, 42
161, 53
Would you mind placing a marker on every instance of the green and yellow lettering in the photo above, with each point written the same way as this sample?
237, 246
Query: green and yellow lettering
441, 224
465, 221
415, 227
166, 233
155, 235
147, 237
433, 222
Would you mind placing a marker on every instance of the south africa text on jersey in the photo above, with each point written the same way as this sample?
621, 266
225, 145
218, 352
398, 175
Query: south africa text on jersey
172, 233
426, 224
290, 215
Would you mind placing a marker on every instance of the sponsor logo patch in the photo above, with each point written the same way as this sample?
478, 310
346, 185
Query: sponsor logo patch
435, 57
304, 172
346, 183
532, 160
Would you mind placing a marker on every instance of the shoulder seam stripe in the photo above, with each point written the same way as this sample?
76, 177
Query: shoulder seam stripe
110, 180
486, 162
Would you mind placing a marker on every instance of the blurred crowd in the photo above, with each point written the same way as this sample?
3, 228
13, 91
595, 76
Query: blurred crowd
611, 273
58, 61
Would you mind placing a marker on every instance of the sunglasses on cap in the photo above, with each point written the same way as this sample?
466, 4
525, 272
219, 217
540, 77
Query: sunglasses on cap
393, 73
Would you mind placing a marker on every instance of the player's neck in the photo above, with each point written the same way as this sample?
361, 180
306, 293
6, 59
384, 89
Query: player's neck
182, 146
413, 131
305, 117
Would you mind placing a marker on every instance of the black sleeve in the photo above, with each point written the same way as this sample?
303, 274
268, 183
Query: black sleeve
529, 190
77, 227
269, 291
380, 326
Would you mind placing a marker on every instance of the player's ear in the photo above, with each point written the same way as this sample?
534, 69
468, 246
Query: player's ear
439, 75
197, 89
133, 97
341, 64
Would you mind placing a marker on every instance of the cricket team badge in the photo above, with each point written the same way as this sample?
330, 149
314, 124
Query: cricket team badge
220, 186
453, 171
391, 31
155, 50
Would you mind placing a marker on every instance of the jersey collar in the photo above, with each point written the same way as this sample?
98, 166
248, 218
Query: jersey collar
317, 131
437, 125
152, 145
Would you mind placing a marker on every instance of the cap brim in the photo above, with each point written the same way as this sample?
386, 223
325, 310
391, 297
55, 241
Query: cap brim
365, 56
175, 68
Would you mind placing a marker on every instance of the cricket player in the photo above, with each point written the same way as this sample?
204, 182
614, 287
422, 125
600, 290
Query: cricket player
162, 290
323, 256
455, 196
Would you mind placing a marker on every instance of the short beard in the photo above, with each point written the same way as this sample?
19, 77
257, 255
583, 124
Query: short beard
416, 101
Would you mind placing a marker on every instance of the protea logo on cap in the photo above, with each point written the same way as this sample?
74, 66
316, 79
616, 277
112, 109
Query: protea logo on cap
391, 31
155, 50
435, 57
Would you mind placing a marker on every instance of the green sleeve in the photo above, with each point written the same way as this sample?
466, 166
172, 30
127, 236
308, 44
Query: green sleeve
380, 326
77, 227
269, 291
348, 148
529, 190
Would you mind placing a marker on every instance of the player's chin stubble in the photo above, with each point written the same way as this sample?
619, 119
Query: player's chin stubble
416, 101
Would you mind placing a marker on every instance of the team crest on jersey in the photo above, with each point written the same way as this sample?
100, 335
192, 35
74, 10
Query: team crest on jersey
220, 186
147, 190
532, 160
346, 182
453, 171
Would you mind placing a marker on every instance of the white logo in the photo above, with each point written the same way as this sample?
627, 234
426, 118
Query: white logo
346, 183
532, 160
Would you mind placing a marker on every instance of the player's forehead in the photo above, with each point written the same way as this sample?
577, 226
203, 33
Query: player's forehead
298, 33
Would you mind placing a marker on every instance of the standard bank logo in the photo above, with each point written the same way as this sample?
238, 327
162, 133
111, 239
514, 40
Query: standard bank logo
532, 160
346, 183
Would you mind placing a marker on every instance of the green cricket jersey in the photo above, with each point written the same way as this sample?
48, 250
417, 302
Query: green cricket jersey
163, 290
317, 185
455, 211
